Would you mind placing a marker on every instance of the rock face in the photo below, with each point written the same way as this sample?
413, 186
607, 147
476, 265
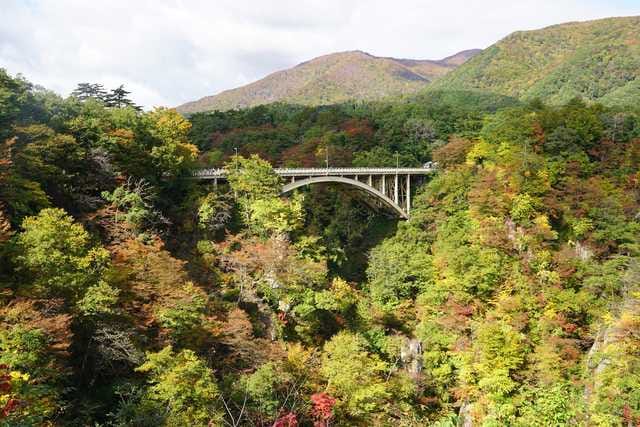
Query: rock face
411, 356
583, 252
334, 78
613, 333
464, 415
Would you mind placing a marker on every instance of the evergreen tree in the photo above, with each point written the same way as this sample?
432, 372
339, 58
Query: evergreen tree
118, 98
86, 91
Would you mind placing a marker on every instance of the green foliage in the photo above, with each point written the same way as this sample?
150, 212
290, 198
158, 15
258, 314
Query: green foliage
28, 392
174, 155
523, 209
23, 349
276, 216
183, 385
100, 299
257, 187
340, 297
15, 95
261, 387
57, 255
135, 201
184, 317
556, 405
509, 297
557, 64
399, 269
214, 211
354, 375
252, 179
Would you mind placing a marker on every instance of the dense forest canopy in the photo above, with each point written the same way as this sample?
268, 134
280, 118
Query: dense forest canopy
133, 295
596, 60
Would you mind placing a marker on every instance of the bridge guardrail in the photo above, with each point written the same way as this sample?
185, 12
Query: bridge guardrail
221, 172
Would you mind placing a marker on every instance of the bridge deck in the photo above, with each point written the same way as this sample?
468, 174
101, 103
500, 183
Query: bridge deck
305, 172
390, 187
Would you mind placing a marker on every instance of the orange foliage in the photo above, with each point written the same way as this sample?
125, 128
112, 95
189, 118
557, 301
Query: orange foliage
242, 349
153, 279
357, 128
301, 155
48, 315
453, 153
489, 196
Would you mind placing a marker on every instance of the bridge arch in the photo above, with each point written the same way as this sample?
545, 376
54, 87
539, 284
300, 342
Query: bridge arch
348, 181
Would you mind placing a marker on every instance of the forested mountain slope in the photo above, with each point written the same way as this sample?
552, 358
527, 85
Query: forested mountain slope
333, 78
595, 60
133, 295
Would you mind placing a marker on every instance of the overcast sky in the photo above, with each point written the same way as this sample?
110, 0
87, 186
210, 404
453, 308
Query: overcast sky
170, 52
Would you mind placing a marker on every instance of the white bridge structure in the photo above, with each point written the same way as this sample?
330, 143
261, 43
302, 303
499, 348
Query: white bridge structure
388, 188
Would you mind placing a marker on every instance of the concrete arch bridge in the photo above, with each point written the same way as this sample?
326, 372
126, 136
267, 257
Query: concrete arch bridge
389, 189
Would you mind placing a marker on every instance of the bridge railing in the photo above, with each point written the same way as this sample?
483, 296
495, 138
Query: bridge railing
298, 172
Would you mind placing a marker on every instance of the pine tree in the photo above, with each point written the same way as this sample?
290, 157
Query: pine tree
86, 91
118, 98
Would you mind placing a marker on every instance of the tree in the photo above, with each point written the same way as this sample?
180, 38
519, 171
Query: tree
118, 98
5, 164
15, 95
184, 316
86, 91
276, 216
183, 386
25, 398
133, 203
399, 268
57, 255
173, 155
19, 196
354, 376
257, 186
252, 179
214, 211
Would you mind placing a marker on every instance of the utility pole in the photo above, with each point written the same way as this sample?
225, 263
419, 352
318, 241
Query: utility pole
236, 159
326, 158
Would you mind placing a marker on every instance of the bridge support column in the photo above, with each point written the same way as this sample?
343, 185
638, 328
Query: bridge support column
384, 185
395, 190
370, 181
408, 194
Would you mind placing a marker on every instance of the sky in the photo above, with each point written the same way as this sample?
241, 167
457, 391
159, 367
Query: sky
167, 52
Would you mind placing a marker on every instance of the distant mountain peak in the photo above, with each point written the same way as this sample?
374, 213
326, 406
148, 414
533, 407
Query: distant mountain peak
333, 78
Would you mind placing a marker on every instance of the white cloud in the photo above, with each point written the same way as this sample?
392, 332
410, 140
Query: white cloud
169, 52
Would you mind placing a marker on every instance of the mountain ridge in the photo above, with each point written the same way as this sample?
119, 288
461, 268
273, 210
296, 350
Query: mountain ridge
332, 78
597, 60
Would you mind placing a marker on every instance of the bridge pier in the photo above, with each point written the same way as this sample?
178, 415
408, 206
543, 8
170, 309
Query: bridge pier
395, 190
408, 208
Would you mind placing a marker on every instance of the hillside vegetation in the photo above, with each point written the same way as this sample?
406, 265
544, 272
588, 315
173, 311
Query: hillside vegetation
595, 60
333, 78
131, 295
